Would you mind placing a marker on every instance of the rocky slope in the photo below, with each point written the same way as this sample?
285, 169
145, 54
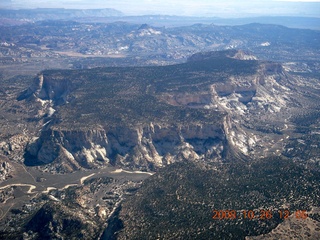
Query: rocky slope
213, 116
56, 220
214, 105
182, 201
5, 168
146, 147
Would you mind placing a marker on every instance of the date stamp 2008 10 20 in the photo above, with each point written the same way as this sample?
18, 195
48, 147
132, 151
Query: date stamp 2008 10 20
261, 214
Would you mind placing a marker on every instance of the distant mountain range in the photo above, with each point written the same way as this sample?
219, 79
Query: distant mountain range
174, 21
57, 13
111, 15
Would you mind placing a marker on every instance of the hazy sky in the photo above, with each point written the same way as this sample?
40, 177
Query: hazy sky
219, 8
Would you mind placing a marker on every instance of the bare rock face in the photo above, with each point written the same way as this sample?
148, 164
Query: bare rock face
242, 55
5, 169
256, 101
14, 147
130, 118
46, 88
148, 147
260, 90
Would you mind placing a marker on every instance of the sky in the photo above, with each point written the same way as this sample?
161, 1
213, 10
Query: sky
212, 8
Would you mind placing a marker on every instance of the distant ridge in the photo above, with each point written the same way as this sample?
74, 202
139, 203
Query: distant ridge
174, 21
109, 15
39, 14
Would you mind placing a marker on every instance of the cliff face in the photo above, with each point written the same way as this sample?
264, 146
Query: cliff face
55, 89
256, 104
145, 147
267, 86
145, 118
5, 169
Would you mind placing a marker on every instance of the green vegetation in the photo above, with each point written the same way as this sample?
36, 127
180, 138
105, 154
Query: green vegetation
131, 95
178, 201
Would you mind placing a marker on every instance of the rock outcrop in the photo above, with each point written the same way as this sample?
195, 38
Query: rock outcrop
55, 89
146, 118
5, 169
145, 147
